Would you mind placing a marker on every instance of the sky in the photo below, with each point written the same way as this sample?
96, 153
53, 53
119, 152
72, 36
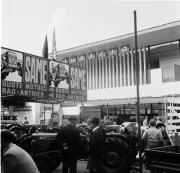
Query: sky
25, 23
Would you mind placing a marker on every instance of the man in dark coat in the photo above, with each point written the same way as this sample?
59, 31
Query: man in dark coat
69, 136
96, 145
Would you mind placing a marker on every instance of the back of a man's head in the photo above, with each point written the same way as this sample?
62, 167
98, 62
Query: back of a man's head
72, 120
160, 125
95, 121
7, 136
152, 122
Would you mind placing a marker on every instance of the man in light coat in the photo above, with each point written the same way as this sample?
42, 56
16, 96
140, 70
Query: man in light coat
152, 136
14, 158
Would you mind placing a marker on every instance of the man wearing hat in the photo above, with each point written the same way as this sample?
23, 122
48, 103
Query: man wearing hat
69, 136
96, 145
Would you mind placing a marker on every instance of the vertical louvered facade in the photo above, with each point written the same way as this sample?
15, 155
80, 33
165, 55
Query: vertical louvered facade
113, 68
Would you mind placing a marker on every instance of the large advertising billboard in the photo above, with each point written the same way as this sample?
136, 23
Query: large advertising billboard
41, 80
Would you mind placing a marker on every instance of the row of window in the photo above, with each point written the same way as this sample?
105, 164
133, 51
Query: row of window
177, 111
173, 104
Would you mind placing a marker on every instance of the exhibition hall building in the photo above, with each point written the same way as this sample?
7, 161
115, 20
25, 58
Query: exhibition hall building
111, 73
111, 78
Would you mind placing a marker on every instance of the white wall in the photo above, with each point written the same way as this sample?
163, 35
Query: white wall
149, 90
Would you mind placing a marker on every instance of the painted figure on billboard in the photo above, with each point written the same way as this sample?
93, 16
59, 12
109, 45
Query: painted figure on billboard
58, 75
11, 65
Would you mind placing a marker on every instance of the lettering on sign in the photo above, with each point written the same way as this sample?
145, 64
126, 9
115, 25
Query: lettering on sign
78, 78
35, 87
41, 80
11, 84
31, 93
35, 70
8, 91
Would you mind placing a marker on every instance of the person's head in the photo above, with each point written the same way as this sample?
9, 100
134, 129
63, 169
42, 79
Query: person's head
160, 126
94, 122
25, 118
101, 123
65, 122
159, 119
152, 122
7, 137
72, 120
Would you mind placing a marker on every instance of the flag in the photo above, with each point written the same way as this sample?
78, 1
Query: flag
45, 48
54, 45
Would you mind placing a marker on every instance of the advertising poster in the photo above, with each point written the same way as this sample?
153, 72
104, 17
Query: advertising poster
11, 65
78, 83
35, 77
58, 75
40, 80
11, 72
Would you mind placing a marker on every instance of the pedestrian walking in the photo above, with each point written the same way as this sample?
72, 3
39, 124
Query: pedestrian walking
96, 146
69, 136
145, 121
152, 136
14, 158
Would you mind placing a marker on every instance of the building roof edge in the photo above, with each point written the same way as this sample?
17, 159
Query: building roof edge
143, 31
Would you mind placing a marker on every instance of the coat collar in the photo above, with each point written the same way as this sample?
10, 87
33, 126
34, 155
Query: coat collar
95, 128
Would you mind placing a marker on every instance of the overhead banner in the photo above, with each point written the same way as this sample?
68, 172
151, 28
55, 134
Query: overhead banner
42, 80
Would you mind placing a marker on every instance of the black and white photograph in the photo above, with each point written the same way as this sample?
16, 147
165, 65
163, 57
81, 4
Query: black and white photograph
90, 86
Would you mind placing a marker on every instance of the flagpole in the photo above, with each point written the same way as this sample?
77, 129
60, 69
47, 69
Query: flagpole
137, 89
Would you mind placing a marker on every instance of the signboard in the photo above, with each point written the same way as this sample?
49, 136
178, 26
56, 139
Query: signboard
41, 80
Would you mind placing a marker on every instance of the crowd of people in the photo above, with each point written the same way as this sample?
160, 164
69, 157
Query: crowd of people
15, 159
69, 136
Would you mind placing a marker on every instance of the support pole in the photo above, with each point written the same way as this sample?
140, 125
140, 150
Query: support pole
3, 116
44, 116
107, 109
61, 114
52, 110
137, 88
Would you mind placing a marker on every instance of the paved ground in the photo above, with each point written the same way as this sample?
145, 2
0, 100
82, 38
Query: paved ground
82, 168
